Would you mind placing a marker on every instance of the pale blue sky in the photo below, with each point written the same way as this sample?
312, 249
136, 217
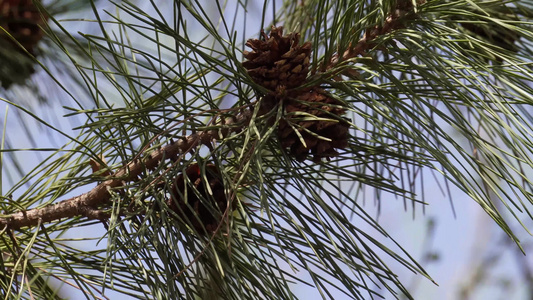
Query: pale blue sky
459, 240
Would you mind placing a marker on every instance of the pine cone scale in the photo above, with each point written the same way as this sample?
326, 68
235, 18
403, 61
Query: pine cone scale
21, 19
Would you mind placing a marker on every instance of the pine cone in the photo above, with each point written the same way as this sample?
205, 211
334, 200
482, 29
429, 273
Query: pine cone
22, 20
496, 35
307, 115
492, 33
280, 64
277, 62
204, 213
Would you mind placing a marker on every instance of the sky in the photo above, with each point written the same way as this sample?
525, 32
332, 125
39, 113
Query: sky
462, 241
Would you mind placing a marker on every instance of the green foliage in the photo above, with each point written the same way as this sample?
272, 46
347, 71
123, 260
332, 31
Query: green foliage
161, 72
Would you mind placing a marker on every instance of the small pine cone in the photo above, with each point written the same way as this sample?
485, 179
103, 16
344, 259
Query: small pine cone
321, 137
278, 62
22, 20
496, 35
492, 33
204, 217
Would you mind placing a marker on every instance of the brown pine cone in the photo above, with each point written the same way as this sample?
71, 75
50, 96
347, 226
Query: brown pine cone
200, 209
496, 35
276, 61
312, 122
315, 118
22, 20
490, 32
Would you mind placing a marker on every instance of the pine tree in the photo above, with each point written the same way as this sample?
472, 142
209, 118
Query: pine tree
220, 150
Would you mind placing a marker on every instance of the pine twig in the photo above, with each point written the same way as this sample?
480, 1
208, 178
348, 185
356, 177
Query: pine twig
86, 204
395, 20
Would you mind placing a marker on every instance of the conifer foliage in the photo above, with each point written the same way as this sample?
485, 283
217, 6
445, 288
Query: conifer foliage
228, 151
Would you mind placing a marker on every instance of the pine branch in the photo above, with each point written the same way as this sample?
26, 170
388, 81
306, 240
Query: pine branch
395, 20
87, 204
